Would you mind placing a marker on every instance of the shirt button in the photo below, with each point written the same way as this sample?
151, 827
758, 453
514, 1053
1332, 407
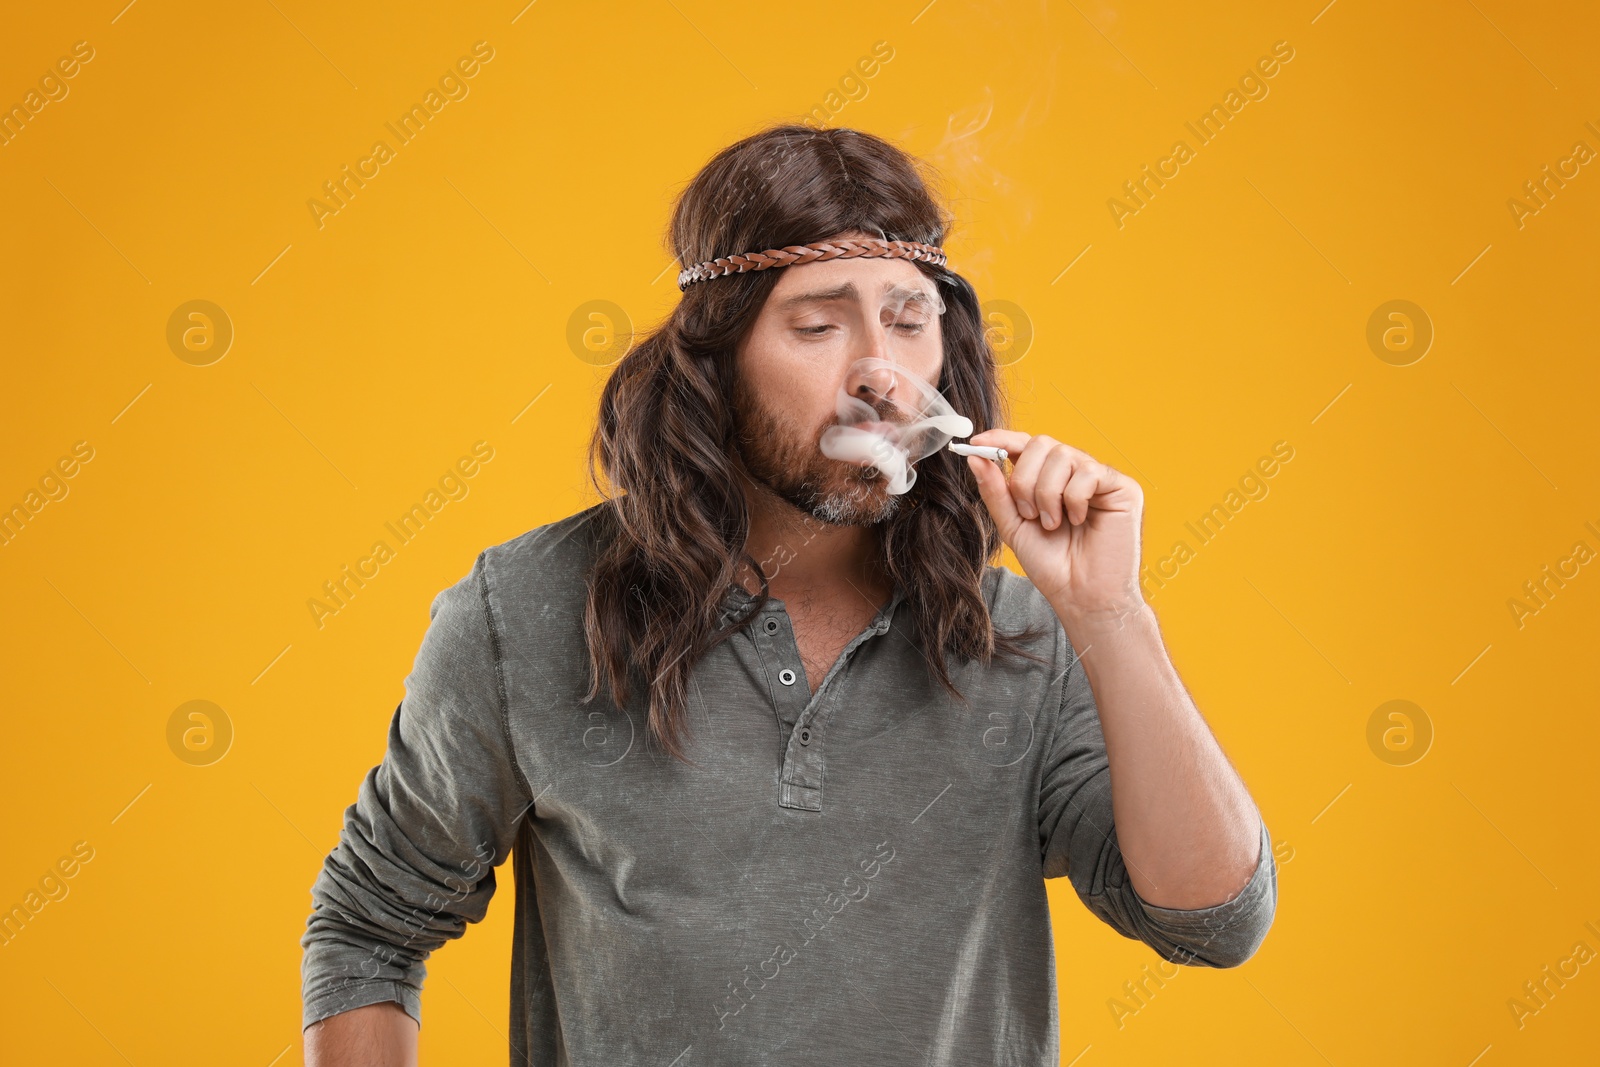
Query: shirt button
772, 626
786, 676
805, 737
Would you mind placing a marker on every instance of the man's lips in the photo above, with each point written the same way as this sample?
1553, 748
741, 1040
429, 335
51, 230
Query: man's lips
891, 431
888, 432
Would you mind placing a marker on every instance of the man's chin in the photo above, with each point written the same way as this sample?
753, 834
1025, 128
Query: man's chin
859, 505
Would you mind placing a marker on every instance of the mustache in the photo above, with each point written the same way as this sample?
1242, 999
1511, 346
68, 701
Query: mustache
885, 410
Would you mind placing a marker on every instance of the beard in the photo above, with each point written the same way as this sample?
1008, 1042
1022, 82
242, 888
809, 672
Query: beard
793, 468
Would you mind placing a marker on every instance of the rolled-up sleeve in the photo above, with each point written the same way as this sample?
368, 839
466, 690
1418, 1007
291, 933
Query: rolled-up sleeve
1078, 840
417, 852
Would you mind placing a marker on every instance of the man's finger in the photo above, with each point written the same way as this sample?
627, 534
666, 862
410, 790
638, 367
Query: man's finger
1060, 465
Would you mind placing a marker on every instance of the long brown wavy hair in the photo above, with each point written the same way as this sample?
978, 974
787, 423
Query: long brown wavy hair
673, 531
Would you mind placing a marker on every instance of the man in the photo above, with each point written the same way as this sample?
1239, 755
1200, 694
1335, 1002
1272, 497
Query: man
782, 760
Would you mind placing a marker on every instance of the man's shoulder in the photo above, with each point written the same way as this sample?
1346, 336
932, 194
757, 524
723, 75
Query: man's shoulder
1013, 599
1017, 606
548, 562
575, 534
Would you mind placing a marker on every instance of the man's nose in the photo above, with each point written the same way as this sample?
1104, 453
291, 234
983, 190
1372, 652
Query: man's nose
874, 342
871, 383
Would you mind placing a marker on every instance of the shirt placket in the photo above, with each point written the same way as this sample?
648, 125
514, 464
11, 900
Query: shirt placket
800, 711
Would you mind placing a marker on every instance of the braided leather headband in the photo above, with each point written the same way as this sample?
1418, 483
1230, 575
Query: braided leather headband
819, 251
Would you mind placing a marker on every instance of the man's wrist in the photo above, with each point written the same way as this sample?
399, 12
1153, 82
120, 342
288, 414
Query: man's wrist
1103, 616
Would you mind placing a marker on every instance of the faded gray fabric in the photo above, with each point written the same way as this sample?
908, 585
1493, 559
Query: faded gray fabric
852, 877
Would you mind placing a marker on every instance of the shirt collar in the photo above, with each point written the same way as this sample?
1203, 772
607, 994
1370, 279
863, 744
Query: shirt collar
736, 597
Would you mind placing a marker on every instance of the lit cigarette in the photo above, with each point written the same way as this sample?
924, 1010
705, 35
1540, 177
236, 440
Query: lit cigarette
986, 451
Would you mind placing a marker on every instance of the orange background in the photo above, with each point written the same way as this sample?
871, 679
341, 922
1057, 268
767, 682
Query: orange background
434, 310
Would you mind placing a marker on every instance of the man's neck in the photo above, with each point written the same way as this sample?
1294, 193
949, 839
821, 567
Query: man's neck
807, 560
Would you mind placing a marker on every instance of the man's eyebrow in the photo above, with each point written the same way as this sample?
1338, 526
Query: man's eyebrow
848, 291
909, 295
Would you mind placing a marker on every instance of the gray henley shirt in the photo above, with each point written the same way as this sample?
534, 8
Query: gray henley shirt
845, 877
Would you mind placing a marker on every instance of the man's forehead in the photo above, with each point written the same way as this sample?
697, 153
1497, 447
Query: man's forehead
890, 290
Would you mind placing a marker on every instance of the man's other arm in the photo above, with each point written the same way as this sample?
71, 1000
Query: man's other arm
1185, 821
416, 856
1082, 832
377, 1034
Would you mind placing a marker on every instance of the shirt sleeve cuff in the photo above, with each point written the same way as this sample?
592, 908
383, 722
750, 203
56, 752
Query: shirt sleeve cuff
1229, 933
359, 995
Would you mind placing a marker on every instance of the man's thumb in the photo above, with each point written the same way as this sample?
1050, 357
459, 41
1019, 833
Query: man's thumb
996, 495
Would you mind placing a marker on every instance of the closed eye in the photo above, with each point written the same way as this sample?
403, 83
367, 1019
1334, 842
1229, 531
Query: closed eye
912, 328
